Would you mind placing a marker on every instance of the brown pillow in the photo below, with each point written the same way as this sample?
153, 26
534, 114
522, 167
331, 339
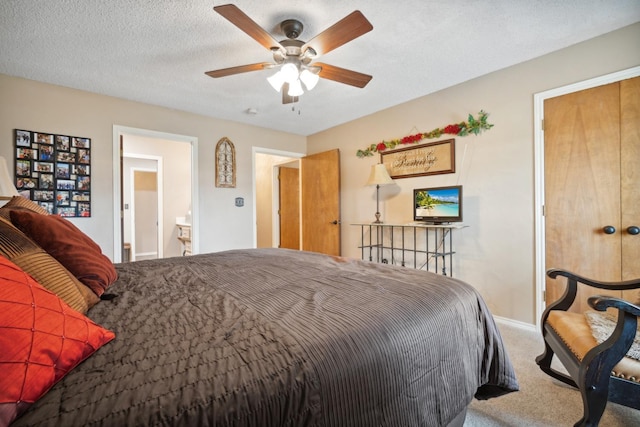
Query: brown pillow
70, 246
22, 204
31, 258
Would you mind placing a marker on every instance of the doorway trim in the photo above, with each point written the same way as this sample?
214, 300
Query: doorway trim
160, 201
119, 131
538, 116
260, 150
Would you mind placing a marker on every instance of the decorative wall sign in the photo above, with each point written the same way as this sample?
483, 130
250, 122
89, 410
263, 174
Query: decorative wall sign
225, 164
426, 159
54, 171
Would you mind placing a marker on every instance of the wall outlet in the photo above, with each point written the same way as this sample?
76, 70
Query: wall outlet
239, 202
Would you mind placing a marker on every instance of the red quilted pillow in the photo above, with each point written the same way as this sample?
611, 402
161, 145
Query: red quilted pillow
69, 246
41, 340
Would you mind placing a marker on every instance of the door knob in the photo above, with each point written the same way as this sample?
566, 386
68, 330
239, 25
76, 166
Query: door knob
633, 230
335, 222
609, 229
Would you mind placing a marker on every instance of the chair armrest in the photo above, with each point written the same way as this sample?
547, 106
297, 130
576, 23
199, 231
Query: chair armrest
614, 348
601, 303
571, 290
614, 286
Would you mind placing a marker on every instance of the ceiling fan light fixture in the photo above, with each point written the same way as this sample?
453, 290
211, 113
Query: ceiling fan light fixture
289, 72
309, 78
276, 81
295, 88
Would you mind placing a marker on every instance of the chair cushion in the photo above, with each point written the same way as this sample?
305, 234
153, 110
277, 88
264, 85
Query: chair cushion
575, 332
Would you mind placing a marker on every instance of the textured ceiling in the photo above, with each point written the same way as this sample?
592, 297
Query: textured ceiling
156, 51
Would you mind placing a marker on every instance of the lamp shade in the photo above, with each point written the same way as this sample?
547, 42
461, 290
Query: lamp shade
7, 189
379, 175
309, 79
276, 81
295, 88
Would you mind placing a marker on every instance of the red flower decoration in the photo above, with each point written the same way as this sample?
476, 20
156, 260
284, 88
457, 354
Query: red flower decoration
381, 146
452, 129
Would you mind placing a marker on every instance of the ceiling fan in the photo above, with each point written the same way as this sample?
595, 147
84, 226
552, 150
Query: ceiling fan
294, 57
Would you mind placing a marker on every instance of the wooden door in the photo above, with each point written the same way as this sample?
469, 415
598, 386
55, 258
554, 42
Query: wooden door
630, 181
289, 208
584, 175
320, 201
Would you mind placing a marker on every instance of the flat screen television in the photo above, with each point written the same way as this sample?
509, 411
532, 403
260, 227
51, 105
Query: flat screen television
437, 205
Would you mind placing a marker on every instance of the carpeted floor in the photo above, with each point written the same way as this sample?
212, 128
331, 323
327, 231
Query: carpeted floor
541, 401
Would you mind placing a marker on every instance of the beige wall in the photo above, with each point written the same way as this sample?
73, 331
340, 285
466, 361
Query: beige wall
496, 253
30, 105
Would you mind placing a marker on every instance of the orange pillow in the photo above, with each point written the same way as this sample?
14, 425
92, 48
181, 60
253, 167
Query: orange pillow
41, 340
70, 246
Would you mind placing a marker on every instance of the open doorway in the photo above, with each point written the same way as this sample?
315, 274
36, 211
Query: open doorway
266, 166
318, 184
143, 207
172, 160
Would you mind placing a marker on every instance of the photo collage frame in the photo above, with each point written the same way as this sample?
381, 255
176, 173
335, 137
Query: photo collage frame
54, 171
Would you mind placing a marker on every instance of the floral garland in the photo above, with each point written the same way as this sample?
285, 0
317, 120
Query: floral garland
471, 126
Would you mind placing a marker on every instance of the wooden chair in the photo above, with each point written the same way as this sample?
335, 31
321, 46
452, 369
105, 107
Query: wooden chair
601, 372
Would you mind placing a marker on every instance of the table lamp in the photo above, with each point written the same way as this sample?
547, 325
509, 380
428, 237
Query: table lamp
7, 188
379, 176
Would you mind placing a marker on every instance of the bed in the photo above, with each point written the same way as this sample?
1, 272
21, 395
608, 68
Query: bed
276, 337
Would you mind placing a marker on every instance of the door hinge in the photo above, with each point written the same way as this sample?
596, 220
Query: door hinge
542, 124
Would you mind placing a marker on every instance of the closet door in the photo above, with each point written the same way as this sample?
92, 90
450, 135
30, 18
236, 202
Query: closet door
630, 181
592, 187
582, 188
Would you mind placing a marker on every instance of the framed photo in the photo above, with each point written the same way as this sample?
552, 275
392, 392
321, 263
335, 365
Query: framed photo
84, 157
63, 198
62, 143
46, 153
54, 171
63, 170
81, 142
48, 206
426, 159
43, 138
65, 157
84, 183
23, 167
44, 167
26, 183
42, 195
26, 153
46, 182
23, 138
80, 196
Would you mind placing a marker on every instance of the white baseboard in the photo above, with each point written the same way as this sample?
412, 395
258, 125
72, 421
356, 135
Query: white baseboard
516, 323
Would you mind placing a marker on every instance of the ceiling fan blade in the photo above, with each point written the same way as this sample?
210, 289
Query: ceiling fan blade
342, 75
348, 28
237, 17
286, 98
240, 69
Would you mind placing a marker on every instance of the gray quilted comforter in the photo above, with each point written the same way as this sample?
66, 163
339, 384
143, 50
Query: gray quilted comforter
272, 337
